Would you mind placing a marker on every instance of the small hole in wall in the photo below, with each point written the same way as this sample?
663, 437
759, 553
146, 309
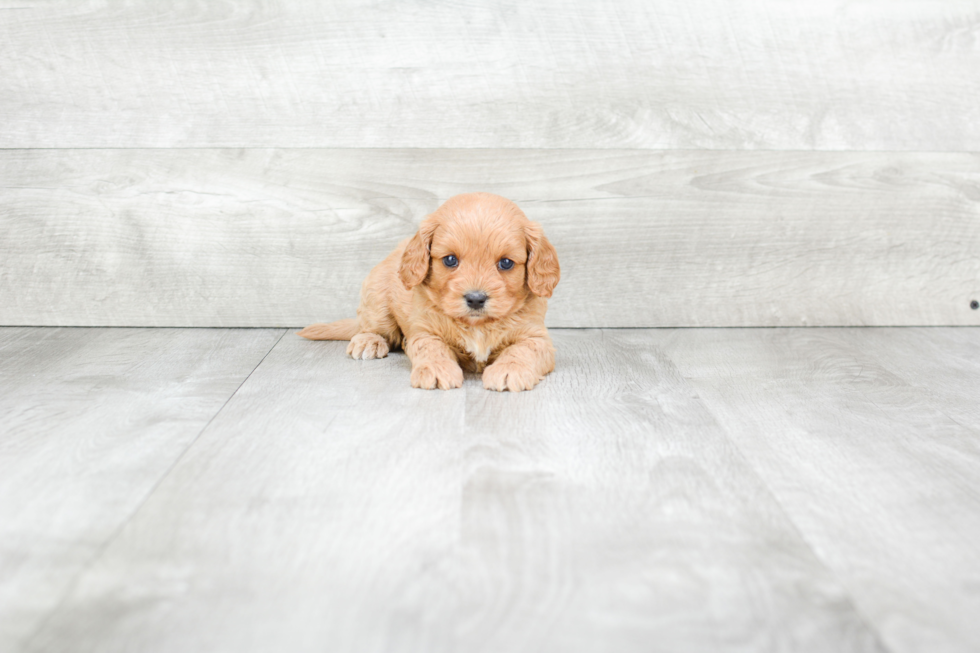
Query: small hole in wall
974, 304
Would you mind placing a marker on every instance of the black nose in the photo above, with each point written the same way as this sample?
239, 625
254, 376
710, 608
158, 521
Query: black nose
475, 300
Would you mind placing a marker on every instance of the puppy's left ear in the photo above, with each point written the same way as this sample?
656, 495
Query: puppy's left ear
414, 267
543, 271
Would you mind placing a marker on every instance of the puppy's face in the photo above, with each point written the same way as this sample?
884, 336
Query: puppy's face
477, 274
478, 259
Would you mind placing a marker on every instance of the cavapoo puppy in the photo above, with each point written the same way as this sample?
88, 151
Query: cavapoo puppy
468, 291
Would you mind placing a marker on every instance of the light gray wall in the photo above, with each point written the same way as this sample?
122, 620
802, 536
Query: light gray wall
707, 163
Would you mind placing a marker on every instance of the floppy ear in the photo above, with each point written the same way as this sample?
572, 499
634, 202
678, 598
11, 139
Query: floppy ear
414, 267
543, 271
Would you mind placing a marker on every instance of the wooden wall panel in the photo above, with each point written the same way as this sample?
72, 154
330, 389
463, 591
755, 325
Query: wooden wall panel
711, 74
283, 237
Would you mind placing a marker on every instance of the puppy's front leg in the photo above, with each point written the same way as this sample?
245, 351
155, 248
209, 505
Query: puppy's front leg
433, 363
520, 366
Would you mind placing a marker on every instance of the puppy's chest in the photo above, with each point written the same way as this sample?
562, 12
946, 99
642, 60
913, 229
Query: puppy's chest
477, 348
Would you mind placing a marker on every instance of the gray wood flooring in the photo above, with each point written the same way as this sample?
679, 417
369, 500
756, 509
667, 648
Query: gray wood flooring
278, 237
663, 490
90, 421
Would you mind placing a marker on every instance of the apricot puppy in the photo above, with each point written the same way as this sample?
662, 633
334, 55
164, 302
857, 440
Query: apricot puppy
468, 291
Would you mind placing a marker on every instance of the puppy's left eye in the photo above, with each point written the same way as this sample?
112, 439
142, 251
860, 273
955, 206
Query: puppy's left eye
505, 264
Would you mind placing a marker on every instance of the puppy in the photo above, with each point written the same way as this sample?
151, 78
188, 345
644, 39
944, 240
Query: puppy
468, 291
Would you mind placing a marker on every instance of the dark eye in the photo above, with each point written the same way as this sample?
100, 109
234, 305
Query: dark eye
450, 261
505, 264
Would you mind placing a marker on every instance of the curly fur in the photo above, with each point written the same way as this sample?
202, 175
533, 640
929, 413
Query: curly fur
411, 300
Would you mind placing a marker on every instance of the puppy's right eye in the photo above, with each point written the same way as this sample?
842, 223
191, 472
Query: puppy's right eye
450, 261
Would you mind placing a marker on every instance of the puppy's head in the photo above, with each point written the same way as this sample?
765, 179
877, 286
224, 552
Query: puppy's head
478, 258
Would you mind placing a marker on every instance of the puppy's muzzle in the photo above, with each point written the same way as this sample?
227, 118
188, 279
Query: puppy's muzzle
475, 300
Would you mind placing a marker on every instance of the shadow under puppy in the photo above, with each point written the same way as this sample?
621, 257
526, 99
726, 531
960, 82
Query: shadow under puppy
468, 291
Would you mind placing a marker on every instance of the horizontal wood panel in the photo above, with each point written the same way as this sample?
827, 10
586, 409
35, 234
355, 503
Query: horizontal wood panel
283, 237
754, 74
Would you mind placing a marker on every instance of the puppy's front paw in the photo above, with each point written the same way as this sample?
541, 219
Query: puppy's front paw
509, 376
432, 374
367, 346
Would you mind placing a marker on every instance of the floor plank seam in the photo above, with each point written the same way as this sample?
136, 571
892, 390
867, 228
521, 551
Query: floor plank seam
849, 592
112, 537
789, 520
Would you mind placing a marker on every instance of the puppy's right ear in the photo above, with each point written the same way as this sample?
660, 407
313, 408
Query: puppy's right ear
414, 267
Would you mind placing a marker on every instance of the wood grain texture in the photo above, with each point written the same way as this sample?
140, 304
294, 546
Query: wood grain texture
943, 365
757, 74
90, 420
331, 507
874, 469
285, 237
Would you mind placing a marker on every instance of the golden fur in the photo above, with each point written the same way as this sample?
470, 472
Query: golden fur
414, 301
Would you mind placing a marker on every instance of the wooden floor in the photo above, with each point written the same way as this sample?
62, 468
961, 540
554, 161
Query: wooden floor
664, 490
